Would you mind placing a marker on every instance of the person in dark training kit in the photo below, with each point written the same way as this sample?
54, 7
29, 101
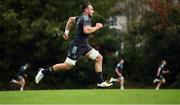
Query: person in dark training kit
21, 76
79, 46
159, 76
119, 72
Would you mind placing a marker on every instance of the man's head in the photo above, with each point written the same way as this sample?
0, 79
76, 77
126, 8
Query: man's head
121, 61
27, 65
163, 62
87, 9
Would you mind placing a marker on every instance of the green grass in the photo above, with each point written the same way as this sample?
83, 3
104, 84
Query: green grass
91, 96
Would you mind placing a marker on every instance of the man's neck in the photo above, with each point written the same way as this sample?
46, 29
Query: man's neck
85, 13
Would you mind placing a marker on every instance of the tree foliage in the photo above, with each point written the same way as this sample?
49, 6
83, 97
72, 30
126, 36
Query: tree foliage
155, 38
31, 31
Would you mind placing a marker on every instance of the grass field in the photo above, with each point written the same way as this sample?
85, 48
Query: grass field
91, 96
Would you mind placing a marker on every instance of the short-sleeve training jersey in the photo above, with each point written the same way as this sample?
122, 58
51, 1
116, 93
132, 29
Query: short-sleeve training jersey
81, 38
22, 70
120, 67
161, 69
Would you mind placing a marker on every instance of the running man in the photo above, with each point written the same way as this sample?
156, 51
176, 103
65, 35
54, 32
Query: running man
119, 71
21, 75
79, 46
159, 76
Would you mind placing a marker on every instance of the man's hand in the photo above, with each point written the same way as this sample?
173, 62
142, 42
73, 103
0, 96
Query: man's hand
167, 71
25, 75
65, 36
99, 25
88, 29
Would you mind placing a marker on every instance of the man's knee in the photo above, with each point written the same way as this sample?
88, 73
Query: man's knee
99, 58
69, 63
164, 81
121, 78
22, 81
68, 66
93, 54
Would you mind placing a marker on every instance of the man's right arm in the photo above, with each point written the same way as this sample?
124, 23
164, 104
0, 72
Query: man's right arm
158, 73
118, 73
69, 24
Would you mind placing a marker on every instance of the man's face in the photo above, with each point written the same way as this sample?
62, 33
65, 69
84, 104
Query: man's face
90, 10
164, 62
122, 61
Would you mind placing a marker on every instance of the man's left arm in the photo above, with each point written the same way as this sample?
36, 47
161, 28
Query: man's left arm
88, 29
166, 71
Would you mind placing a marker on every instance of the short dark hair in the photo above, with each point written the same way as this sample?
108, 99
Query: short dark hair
85, 5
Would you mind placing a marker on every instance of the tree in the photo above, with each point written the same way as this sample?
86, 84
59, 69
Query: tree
157, 35
31, 32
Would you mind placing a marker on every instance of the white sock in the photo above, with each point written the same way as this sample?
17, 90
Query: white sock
22, 88
14, 81
122, 87
157, 88
114, 80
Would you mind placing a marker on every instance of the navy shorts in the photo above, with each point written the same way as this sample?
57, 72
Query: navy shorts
160, 77
116, 75
76, 51
20, 77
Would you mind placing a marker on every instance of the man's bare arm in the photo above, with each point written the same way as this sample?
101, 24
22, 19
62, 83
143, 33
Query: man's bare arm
69, 24
89, 29
118, 73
